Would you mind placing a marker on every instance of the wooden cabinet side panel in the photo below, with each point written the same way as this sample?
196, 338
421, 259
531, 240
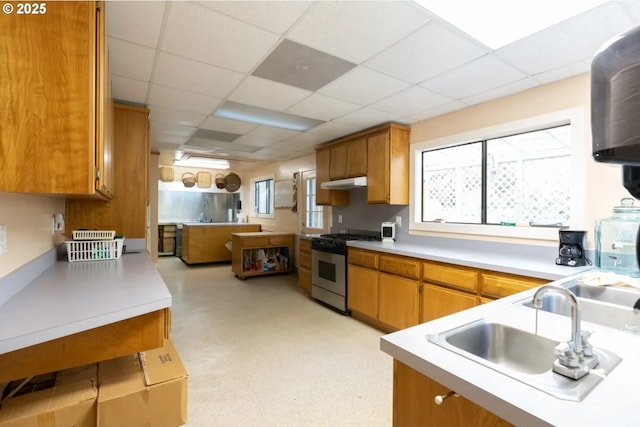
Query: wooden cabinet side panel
363, 290
304, 280
378, 168
47, 121
399, 303
413, 404
399, 167
438, 302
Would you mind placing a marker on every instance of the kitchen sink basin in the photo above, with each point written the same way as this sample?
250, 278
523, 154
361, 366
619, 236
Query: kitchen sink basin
521, 355
604, 305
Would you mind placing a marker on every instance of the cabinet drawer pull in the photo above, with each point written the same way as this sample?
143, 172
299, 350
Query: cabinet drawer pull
439, 399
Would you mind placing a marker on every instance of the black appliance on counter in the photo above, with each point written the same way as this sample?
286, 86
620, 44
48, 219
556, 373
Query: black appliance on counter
615, 109
571, 251
329, 267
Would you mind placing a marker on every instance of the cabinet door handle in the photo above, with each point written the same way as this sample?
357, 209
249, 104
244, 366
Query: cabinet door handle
439, 399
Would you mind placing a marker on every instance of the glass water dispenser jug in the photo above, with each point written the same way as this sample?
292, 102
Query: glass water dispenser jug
616, 239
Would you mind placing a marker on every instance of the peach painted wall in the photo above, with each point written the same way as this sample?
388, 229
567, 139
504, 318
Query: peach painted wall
29, 230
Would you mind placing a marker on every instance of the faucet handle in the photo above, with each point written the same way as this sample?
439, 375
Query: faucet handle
566, 356
587, 348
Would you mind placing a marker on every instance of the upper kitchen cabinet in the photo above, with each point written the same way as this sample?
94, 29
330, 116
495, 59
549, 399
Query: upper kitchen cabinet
388, 166
126, 212
381, 154
55, 125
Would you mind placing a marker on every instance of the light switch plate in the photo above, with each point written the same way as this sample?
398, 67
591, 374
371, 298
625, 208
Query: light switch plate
3, 239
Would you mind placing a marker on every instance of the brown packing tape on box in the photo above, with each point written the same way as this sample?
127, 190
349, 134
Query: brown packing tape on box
145, 389
70, 402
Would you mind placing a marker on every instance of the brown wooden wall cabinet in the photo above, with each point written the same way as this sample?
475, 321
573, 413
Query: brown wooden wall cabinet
414, 405
126, 212
206, 243
393, 292
277, 248
55, 124
381, 154
304, 265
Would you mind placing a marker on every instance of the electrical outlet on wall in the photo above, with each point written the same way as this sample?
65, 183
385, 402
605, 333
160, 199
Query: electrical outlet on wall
399, 221
339, 219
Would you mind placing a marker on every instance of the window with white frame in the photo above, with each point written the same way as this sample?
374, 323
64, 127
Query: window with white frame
522, 173
262, 196
313, 213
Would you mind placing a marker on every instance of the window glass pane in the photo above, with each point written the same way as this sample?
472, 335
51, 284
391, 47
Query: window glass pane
529, 177
263, 196
452, 184
313, 215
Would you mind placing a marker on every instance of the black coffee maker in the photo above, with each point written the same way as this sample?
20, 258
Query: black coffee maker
571, 250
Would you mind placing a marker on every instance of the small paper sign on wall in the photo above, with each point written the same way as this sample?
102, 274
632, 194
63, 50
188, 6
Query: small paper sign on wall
284, 194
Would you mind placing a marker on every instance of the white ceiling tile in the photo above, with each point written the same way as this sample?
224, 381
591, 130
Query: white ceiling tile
322, 107
182, 73
478, 76
363, 86
583, 66
428, 52
205, 35
163, 96
499, 92
121, 64
256, 140
163, 138
272, 132
135, 21
366, 117
332, 130
274, 16
330, 26
438, 111
569, 41
411, 101
227, 125
172, 115
129, 90
158, 128
307, 139
267, 94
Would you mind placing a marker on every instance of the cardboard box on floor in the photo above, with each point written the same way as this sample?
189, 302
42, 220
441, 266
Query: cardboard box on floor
145, 389
71, 401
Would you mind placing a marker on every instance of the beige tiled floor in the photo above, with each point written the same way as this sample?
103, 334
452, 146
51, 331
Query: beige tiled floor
260, 353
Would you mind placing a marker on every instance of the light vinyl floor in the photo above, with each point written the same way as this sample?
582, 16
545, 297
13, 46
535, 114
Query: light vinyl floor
260, 353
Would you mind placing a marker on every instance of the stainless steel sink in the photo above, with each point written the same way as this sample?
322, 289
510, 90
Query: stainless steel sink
608, 306
520, 355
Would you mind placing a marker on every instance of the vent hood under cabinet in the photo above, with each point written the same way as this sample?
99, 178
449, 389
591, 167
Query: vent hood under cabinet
345, 184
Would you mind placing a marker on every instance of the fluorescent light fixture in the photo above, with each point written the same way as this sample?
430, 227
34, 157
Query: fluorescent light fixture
497, 23
262, 116
202, 162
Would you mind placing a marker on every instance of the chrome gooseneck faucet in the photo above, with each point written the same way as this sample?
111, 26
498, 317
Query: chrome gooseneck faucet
574, 359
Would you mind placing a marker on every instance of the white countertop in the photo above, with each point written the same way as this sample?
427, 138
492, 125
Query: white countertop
512, 263
612, 402
73, 297
213, 224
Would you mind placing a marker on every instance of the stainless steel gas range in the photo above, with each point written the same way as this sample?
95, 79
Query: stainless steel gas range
329, 267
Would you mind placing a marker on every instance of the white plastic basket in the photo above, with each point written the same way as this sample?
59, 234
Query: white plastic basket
94, 250
93, 235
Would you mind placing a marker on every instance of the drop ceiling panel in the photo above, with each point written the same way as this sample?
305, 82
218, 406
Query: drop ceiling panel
307, 139
137, 22
274, 16
478, 76
567, 42
363, 86
227, 125
205, 35
172, 115
322, 107
171, 129
504, 90
256, 140
267, 94
297, 65
411, 101
272, 132
428, 52
355, 31
437, 111
129, 90
163, 96
579, 67
192, 76
332, 130
121, 65
367, 117
215, 135
168, 140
